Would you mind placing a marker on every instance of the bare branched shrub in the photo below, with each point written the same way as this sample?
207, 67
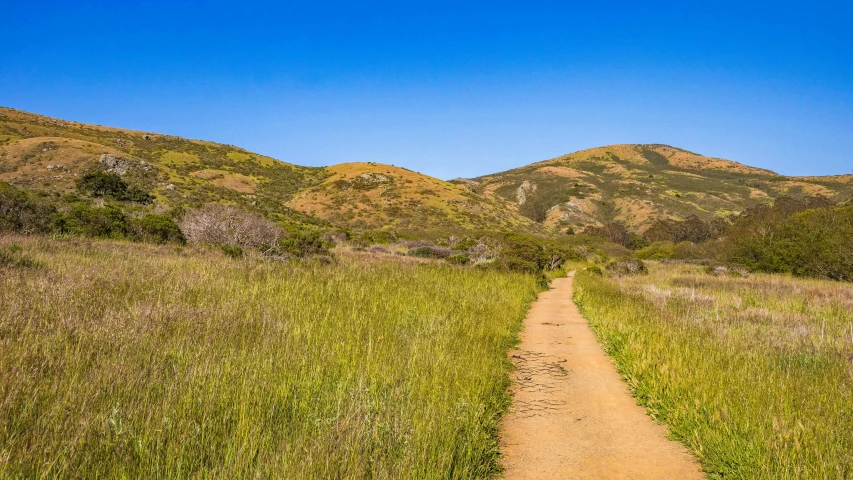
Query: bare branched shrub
225, 225
554, 262
486, 250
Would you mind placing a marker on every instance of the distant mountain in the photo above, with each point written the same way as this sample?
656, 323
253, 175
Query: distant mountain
631, 183
637, 184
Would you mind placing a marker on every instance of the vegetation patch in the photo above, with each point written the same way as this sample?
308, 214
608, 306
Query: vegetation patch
232, 181
752, 374
12, 256
121, 361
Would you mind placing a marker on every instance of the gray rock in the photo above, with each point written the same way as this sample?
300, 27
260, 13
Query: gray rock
114, 164
121, 166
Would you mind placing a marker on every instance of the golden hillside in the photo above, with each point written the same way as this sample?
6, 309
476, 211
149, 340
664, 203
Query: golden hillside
372, 195
47, 155
637, 184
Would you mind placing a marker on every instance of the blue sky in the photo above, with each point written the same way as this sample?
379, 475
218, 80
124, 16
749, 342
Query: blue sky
448, 88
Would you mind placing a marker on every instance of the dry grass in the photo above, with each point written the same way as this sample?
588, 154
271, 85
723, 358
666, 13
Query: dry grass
136, 361
754, 374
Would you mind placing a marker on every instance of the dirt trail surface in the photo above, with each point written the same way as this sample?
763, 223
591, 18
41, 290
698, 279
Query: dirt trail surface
572, 416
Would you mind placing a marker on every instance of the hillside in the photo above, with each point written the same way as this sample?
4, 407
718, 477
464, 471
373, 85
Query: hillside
371, 195
48, 156
44, 154
634, 184
637, 184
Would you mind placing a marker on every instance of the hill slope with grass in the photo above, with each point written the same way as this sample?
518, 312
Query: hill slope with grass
633, 184
47, 156
637, 184
372, 195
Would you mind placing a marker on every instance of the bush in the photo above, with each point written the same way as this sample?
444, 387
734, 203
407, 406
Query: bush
335, 236
232, 251
483, 250
458, 259
103, 184
157, 229
226, 225
657, 251
691, 229
595, 269
108, 221
303, 244
616, 232
23, 213
692, 251
521, 253
627, 266
556, 255
814, 243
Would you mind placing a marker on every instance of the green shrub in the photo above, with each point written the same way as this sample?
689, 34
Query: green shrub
157, 229
232, 251
303, 244
595, 269
24, 213
103, 184
691, 229
521, 253
693, 251
556, 255
627, 266
814, 243
660, 250
108, 221
458, 259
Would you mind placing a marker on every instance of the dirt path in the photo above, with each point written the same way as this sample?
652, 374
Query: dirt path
572, 416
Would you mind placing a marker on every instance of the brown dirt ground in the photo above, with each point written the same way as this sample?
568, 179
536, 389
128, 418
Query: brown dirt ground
572, 416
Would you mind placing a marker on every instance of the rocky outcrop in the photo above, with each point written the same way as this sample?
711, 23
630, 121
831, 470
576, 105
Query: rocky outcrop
524, 189
120, 166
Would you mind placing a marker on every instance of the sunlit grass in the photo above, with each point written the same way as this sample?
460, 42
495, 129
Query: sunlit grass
754, 374
127, 360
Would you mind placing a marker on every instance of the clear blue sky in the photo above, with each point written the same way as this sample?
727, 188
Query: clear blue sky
448, 88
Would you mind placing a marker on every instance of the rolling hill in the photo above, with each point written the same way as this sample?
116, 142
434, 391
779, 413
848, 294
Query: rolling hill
372, 195
46, 155
635, 184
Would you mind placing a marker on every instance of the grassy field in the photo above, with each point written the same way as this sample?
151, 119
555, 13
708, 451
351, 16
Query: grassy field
126, 360
755, 375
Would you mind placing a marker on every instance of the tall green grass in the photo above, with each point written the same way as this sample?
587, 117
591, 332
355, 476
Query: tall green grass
140, 361
755, 375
